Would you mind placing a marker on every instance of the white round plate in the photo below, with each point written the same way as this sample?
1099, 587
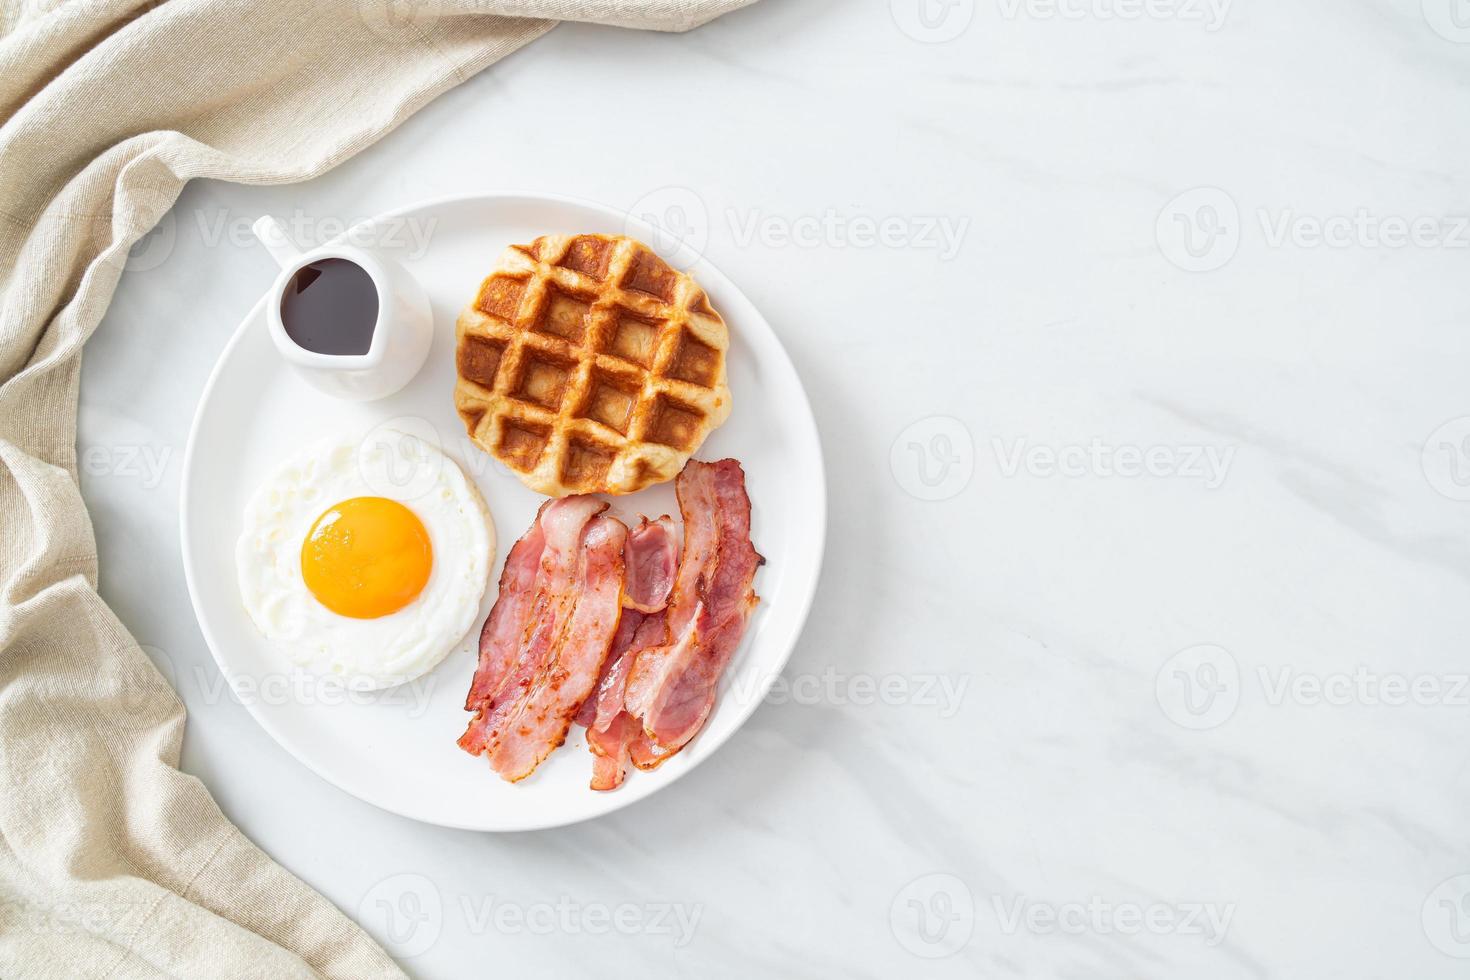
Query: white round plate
396, 749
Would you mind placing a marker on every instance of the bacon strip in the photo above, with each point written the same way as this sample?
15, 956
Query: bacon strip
655, 668
610, 751
609, 726
539, 720
598, 624
501, 638
645, 752
645, 630
672, 687
561, 523
692, 697
652, 558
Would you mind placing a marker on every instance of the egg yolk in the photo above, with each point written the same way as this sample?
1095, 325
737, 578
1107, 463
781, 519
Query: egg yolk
366, 557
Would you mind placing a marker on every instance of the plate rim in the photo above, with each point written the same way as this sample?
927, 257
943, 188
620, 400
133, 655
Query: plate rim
765, 682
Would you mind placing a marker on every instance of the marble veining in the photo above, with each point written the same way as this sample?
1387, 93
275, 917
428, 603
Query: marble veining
1140, 646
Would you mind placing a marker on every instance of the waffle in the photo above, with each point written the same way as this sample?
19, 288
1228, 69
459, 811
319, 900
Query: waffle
587, 365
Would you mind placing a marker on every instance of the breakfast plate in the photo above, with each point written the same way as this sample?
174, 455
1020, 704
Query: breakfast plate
395, 748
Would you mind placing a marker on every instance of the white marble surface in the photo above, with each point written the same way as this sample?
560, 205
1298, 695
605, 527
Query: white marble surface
1045, 776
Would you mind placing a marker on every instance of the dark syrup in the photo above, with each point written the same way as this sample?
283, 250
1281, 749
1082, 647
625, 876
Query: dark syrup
330, 307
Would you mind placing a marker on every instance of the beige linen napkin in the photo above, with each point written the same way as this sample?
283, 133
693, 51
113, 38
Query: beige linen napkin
113, 863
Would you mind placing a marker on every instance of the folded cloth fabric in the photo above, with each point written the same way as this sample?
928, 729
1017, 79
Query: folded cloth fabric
113, 863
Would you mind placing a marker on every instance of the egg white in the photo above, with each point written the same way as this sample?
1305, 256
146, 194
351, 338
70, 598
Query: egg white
365, 654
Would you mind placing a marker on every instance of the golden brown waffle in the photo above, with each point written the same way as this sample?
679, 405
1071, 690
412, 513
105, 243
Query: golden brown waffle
588, 365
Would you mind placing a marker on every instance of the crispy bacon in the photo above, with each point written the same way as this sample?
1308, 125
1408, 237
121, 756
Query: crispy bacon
561, 523
671, 687
539, 720
601, 625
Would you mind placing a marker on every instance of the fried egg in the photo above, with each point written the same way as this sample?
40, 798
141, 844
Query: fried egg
366, 560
